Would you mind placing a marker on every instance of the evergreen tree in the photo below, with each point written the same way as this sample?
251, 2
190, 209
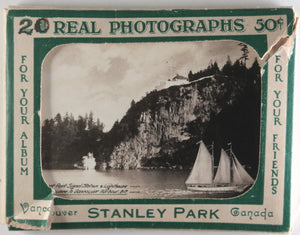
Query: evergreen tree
227, 68
190, 76
132, 103
81, 124
245, 51
58, 119
90, 122
100, 125
215, 68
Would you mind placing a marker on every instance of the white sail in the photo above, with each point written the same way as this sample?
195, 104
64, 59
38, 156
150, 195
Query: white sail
236, 177
246, 178
202, 170
223, 173
230, 176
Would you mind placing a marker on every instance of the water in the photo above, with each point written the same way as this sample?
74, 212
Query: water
121, 184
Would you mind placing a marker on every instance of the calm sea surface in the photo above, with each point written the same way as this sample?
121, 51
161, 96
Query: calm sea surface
121, 184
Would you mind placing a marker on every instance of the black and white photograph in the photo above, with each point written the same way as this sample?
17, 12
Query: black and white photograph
151, 120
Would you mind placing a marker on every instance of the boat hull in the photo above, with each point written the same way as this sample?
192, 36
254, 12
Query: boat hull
218, 189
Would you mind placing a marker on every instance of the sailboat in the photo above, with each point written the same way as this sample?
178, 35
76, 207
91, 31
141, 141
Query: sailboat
230, 176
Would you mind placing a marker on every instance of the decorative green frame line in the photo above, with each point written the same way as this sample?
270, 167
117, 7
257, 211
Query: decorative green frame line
9, 119
42, 46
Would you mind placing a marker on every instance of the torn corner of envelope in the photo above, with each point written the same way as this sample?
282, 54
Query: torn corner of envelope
285, 43
43, 208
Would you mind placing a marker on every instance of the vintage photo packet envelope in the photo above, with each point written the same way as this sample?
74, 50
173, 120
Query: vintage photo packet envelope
175, 119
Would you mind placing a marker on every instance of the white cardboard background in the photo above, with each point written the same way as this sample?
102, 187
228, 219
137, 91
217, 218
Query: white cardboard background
134, 4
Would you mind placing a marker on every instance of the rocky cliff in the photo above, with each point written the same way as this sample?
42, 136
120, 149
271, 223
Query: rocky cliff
162, 129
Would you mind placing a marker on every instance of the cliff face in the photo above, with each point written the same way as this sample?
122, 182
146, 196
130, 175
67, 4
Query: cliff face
164, 126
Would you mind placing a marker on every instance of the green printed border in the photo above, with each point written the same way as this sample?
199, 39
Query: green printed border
9, 119
289, 140
42, 46
132, 14
171, 225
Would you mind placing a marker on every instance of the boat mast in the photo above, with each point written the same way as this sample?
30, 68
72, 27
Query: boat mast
231, 162
213, 159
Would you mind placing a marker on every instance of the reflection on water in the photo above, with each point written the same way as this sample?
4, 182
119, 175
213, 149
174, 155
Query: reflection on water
121, 184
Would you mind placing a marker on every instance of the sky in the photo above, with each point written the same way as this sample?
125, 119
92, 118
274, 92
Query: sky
105, 78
